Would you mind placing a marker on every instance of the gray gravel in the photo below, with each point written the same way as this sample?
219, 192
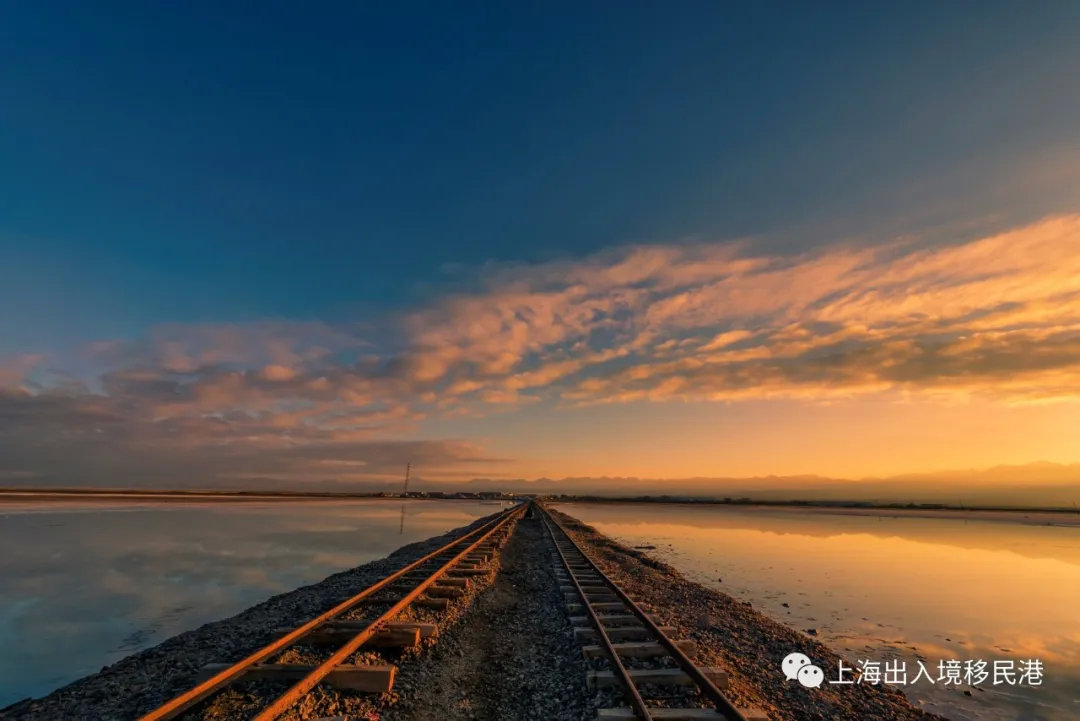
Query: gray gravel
515, 658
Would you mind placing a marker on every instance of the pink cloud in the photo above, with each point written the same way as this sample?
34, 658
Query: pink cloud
14, 369
997, 316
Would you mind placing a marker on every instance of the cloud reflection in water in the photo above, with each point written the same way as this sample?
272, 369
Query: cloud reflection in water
83, 584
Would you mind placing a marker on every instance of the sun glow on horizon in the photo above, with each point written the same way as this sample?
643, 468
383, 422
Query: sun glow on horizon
659, 361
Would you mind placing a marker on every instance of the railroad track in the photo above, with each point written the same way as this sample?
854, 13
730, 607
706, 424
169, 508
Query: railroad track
629, 649
364, 621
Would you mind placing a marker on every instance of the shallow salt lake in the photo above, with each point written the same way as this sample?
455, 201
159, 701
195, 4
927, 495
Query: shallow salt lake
85, 583
891, 588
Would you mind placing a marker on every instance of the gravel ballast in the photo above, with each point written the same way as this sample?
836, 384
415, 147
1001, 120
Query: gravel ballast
514, 657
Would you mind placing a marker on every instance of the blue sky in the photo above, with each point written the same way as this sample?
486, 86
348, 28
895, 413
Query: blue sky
208, 163
352, 164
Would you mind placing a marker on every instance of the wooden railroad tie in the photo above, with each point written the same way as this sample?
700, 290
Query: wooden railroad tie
463, 571
426, 630
573, 599
388, 638
613, 620
619, 633
589, 590
369, 679
677, 714
579, 608
448, 581
639, 649
665, 676
438, 604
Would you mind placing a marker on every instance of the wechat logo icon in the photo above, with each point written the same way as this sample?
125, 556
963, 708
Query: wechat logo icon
798, 666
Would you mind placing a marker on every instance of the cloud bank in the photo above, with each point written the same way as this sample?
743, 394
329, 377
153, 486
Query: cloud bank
287, 402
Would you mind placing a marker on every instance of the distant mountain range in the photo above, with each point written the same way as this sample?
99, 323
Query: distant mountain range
1034, 484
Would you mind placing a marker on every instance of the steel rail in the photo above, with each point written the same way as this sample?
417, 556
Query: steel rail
303, 686
218, 681
636, 701
707, 687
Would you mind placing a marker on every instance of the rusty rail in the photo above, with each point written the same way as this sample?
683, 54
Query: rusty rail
636, 701
704, 685
221, 680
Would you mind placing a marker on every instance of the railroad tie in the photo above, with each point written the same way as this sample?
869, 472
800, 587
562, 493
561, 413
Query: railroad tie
579, 608
447, 581
678, 714
388, 638
618, 633
437, 604
463, 571
663, 676
627, 619
426, 630
369, 679
639, 649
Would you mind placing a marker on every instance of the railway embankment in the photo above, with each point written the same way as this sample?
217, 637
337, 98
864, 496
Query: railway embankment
510, 648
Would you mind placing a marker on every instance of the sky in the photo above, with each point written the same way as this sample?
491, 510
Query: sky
306, 245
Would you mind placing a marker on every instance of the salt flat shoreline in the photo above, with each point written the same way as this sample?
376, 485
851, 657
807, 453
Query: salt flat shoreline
730, 634
1035, 517
1028, 516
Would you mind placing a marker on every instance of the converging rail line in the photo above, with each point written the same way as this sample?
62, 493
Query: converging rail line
364, 620
629, 636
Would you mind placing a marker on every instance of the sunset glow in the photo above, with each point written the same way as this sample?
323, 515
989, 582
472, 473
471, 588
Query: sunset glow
835, 361
668, 267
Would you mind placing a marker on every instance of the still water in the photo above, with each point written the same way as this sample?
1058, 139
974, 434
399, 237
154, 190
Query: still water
83, 584
880, 587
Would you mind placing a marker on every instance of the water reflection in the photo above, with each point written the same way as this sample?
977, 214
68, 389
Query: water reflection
881, 587
85, 584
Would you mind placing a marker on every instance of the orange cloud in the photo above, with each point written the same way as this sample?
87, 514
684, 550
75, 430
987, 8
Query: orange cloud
997, 316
